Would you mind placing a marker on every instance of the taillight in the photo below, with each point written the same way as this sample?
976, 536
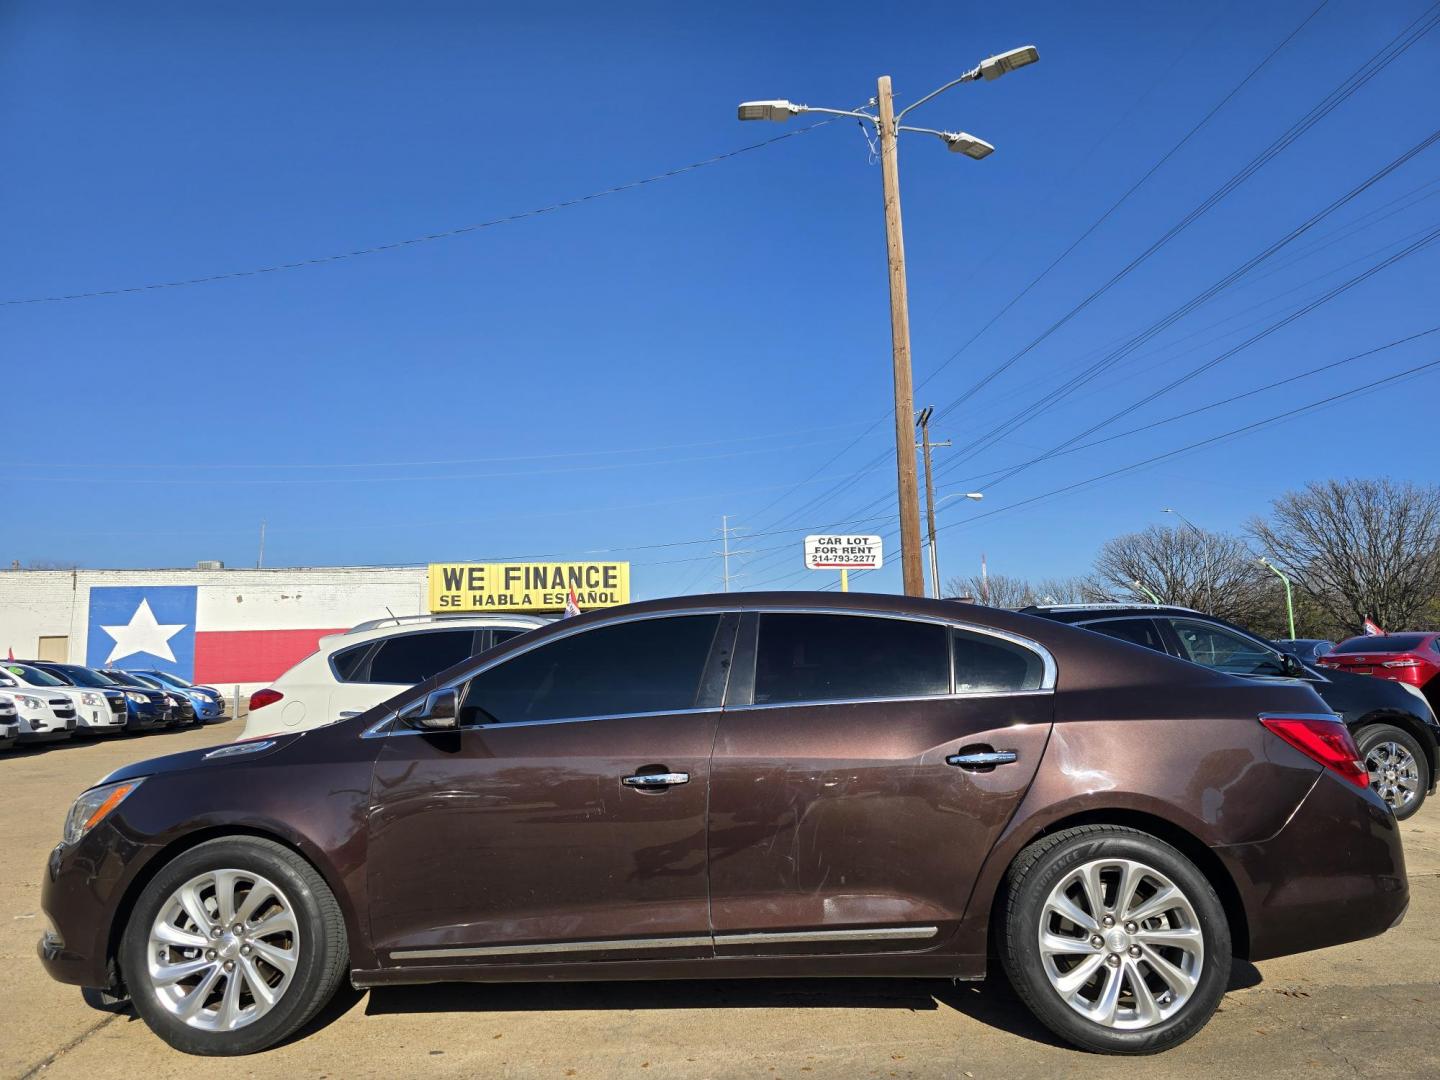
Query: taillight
260, 698
1408, 661
1325, 741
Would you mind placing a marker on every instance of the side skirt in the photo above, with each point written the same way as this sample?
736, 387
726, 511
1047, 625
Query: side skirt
885, 966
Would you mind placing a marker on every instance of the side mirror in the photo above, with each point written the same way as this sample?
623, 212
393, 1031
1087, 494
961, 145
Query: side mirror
1291, 666
439, 712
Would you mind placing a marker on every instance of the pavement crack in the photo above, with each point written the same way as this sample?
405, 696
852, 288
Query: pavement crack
40, 1066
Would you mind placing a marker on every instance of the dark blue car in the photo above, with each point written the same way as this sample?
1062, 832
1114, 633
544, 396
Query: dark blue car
209, 702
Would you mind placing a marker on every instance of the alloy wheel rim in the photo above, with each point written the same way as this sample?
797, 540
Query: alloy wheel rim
1394, 774
223, 950
1121, 944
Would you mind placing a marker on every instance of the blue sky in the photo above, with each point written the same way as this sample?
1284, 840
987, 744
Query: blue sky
621, 373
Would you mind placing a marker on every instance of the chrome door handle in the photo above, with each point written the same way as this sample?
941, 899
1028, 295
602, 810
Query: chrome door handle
656, 779
983, 759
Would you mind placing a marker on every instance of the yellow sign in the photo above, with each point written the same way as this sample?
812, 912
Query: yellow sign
527, 586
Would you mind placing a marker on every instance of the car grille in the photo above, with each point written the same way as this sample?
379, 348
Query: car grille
117, 705
63, 708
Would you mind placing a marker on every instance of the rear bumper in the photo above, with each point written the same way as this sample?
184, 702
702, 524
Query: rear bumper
1334, 873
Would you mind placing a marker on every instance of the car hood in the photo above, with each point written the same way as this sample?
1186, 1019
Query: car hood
220, 756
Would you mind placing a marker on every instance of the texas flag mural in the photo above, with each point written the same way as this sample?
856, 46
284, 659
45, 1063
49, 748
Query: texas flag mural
196, 632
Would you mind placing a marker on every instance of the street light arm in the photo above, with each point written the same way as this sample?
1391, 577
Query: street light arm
969, 76
839, 112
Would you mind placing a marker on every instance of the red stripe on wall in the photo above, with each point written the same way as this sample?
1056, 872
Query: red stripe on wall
234, 656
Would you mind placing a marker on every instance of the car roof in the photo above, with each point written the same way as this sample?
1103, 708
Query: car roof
1076, 612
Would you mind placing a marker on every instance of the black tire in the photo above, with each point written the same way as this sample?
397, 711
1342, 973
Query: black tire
323, 956
1043, 865
1372, 736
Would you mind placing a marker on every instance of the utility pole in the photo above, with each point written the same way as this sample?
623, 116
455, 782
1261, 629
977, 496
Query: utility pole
260, 562
1289, 597
910, 567
925, 444
887, 128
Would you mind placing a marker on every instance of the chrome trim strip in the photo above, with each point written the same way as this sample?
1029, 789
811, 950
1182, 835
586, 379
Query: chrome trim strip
552, 947
235, 749
1047, 677
760, 937
1302, 716
962, 695
765, 937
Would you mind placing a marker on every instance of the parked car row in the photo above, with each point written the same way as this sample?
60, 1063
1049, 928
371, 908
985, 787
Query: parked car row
46, 701
748, 785
1393, 723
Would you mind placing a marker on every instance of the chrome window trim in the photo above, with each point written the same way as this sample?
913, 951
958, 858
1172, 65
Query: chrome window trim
1049, 669
959, 695
761, 937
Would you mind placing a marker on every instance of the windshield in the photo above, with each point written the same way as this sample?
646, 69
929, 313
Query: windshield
169, 680
80, 676
33, 675
1381, 643
150, 681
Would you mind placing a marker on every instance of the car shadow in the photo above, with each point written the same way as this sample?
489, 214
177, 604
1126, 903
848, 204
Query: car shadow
992, 1002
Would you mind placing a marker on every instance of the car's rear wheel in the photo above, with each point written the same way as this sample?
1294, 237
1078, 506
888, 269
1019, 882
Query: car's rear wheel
1399, 771
1114, 939
232, 946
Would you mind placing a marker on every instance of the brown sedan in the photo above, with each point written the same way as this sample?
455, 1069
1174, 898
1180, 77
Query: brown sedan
781, 784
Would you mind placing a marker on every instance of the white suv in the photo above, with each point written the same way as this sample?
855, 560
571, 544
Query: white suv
94, 712
356, 670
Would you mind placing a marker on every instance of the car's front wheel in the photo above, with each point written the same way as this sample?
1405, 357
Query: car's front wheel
1114, 939
232, 946
1399, 771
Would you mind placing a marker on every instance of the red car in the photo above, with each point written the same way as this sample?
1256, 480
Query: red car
1407, 658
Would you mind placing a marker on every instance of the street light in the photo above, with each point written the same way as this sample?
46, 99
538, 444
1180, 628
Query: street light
888, 127
1209, 570
973, 496
1289, 599
1153, 598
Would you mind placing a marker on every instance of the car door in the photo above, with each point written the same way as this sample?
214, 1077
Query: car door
367, 674
565, 819
863, 769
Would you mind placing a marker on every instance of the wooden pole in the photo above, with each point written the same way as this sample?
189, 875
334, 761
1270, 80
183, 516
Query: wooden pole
910, 563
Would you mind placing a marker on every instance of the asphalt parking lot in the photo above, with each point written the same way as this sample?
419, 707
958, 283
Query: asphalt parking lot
1369, 1008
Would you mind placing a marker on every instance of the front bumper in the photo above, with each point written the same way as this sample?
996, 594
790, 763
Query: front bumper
1335, 873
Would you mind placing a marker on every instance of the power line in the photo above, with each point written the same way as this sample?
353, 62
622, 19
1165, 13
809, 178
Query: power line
396, 245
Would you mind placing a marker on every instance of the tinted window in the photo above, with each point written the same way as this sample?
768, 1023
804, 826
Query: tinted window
839, 657
987, 663
498, 635
413, 658
34, 676
1136, 631
80, 676
646, 666
1381, 643
1223, 650
347, 662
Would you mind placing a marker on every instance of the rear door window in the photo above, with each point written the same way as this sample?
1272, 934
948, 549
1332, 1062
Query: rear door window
802, 657
413, 658
985, 664
1136, 631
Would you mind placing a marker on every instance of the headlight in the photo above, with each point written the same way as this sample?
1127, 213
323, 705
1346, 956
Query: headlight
27, 702
170, 701
138, 698
91, 699
93, 806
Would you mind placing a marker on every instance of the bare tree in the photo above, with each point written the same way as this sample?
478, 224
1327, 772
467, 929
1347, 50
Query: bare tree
1359, 548
1208, 571
1016, 592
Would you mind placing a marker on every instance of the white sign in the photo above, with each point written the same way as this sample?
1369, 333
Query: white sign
843, 553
